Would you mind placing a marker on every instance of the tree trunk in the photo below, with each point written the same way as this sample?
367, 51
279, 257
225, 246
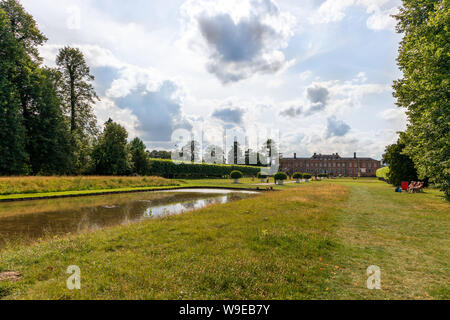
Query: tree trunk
72, 103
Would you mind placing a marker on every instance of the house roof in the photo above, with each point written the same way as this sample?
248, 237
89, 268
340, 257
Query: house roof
330, 157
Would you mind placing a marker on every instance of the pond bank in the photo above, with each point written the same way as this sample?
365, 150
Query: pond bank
85, 193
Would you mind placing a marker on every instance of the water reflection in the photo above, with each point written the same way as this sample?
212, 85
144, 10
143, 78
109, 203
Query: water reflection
30, 220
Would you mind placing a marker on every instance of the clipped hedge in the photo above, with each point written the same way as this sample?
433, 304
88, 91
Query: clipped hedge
307, 176
261, 175
297, 175
170, 169
281, 176
236, 174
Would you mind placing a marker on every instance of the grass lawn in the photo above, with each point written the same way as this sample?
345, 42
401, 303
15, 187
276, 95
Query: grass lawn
48, 187
310, 241
33, 186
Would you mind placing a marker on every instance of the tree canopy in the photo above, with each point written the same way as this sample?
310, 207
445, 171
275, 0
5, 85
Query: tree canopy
424, 89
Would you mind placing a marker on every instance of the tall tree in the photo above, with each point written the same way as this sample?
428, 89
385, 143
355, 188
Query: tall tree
110, 154
139, 158
401, 167
78, 97
23, 27
45, 132
425, 87
12, 132
76, 90
49, 140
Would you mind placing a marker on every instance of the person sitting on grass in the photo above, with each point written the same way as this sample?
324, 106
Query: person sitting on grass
411, 186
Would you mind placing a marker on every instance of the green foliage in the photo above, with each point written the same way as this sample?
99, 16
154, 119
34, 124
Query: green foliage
48, 135
76, 90
23, 27
155, 154
236, 174
261, 175
425, 87
34, 135
78, 96
307, 176
280, 176
382, 173
139, 158
401, 167
12, 134
170, 169
297, 175
110, 153
322, 175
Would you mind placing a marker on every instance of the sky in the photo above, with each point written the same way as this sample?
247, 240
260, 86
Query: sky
319, 73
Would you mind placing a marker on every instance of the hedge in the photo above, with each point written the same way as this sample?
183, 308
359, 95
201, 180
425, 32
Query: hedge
382, 173
281, 176
307, 176
170, 169
236, 174
297, 175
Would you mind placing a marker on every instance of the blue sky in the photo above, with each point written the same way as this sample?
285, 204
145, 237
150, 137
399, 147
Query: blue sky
319, 71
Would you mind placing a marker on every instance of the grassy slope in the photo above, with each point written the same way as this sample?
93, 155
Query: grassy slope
311, 241
30, 186
110, 185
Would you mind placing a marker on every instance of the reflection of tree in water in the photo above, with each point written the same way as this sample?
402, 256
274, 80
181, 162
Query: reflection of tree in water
189, 205
209, 202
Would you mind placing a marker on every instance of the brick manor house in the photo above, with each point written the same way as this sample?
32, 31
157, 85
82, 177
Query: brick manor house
333, 165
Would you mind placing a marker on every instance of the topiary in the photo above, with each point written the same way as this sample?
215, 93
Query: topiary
307, 176
281, 176
297, 175
236, 174
261, 175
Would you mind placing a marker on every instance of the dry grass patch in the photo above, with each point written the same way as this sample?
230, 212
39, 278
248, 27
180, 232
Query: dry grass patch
9, 276
27, 185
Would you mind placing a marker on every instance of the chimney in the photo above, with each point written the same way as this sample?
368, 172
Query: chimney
354, 155
295, 156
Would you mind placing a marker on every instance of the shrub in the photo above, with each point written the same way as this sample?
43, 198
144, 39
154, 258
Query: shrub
307, 176
236, 174
382, 173
297, 175
261, 175
281, 176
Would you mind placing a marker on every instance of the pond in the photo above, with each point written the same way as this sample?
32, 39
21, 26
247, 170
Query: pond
31, 220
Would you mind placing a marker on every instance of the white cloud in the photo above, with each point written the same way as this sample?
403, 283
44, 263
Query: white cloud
336, 128
331, 11
238, 38
106, 108
380, 17
396, 116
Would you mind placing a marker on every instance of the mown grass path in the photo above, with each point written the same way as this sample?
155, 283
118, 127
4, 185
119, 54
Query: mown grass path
406, 235
313, 241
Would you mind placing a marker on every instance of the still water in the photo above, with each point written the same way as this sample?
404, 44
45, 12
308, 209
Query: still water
30, 220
